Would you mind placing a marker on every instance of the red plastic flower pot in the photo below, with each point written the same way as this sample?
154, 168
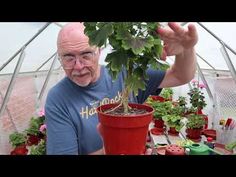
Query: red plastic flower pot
194, 133
172, 131
158, 123
124, 134
157, 131
158, 98
210, 133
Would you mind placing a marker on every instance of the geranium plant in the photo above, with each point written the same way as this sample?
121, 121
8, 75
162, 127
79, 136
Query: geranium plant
167, 93
182, 101
17, 139
161, 109
197, 98
195, 121
136, 46
173, 120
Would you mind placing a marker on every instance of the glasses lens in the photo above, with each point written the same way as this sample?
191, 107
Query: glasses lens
68, 62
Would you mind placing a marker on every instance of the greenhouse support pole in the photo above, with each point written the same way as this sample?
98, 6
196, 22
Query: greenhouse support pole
217, 38
228, 61
45, 62
47, 79
25, 45
12, 82
205, 83
206, 62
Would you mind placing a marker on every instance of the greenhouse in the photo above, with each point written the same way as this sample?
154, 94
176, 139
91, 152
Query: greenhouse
30, 67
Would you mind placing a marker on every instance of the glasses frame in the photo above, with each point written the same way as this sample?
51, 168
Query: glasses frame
76, 58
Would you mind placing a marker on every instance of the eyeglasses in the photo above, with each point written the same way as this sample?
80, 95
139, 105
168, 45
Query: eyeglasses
69, 61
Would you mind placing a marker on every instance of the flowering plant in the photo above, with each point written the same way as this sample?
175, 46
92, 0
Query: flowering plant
197, 98
32, 141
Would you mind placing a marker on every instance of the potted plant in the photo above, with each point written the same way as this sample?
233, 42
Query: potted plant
136, 46
160, 109
194, 126
18, 142
173, 120
197, 99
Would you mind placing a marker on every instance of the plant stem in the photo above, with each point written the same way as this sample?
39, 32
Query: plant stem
125, 99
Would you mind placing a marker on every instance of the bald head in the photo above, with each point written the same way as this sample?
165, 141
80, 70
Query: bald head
72, 35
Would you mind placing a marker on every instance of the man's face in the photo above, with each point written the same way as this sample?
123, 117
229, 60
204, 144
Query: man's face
79, 60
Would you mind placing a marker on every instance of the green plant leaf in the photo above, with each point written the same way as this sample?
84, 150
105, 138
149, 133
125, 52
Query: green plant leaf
117, 59
138, 45
135, 83
17, 139
99, 37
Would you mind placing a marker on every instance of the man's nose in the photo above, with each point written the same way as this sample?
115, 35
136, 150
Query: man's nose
78, 65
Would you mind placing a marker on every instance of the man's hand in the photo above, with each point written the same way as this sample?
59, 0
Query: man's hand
177, 39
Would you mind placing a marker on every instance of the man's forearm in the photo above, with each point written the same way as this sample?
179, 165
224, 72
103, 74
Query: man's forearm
184, 67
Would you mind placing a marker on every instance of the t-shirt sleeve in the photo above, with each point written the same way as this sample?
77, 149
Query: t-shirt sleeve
155, 79
61, 136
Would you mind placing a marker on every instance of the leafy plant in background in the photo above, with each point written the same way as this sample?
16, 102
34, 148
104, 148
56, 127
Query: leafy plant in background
161, 109
39, 149
197, 98
17, 139
195, 121
34, 126
182, 101
173, 120
167, 93
136, 46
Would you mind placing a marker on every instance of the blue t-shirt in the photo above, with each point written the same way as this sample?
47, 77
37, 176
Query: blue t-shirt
70, 111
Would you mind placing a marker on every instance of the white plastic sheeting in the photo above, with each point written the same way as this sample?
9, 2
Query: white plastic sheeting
14, 35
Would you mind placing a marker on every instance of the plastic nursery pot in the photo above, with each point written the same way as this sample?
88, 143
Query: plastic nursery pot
194, 134
210, 133
157, 131
172, 131
158, 123
127, 134
158, 98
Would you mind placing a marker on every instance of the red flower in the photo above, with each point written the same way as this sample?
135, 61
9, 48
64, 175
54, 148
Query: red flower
20, 150
33, 140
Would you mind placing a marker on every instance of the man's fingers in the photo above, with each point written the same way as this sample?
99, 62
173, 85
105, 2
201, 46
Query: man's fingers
192, 30
164, 32
176, 28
